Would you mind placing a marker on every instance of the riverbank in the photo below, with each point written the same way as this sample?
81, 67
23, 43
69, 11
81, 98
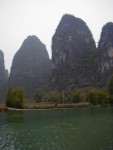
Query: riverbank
41, 106
3, 107
38, 106
54, 105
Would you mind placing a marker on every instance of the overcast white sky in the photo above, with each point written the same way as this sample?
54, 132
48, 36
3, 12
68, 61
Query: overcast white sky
20, 18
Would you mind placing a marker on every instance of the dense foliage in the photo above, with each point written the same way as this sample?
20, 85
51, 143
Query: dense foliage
98, 97
91, 95
58, 97
15, 97
54, 96
38, 97
72, 96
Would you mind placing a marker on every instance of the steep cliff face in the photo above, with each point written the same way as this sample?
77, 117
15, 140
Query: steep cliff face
31, 66
6, 74
2, 78
71, 41
105, 47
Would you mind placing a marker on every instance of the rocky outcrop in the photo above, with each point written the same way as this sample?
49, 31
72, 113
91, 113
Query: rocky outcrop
2, 78
105, 47
31, 66
71, 45
6, 74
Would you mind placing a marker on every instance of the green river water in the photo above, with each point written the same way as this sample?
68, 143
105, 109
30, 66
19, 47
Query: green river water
62, 129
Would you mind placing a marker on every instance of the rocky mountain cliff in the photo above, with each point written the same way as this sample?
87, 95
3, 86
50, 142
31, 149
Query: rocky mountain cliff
31, 66
6, 74
105, 47
73, 47
76, 62
2, 77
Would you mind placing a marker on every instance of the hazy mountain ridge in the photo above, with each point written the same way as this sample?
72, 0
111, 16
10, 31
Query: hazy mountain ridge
71, 41
3, 78
31, 66
105, 47
76, 62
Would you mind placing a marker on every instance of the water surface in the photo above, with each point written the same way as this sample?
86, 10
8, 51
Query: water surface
65, 129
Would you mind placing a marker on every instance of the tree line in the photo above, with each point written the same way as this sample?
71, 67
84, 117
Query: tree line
15, 96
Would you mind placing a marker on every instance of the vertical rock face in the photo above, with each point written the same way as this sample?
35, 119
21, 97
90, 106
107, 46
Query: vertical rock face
70, 42
6, 74
105, 47
31, 66
2, 77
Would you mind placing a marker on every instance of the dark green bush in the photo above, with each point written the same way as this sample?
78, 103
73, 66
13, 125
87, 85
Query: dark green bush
38, 97
110, 89
54, 96
72, 96
15, 97
98, 97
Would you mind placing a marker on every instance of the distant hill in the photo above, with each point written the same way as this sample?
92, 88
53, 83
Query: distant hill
31, 66
2, 78
72, 44
76, 62
105, 48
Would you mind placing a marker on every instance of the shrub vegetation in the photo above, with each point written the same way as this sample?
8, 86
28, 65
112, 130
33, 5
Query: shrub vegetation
98, 97
15, 97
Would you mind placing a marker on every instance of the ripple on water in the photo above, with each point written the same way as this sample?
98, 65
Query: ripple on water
42, 133
7, 140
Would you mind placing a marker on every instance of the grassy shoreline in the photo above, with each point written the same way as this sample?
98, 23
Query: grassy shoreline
39, 106
42, 106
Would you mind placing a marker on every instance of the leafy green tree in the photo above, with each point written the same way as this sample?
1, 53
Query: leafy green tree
72, 96
92, 97
76, 96
103, 97
39, 96
54, 96
98, 97
15, 97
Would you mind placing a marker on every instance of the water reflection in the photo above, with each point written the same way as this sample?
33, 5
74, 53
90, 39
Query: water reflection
10, 129
15, 117
81, 129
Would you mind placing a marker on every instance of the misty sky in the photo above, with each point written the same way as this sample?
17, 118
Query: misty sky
20, 18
